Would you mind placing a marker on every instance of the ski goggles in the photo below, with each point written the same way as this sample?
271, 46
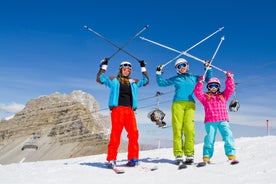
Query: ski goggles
211, 86
126, 65
181, 65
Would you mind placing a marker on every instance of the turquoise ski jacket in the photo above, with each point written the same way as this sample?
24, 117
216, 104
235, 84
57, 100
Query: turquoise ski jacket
184, 85
114, 85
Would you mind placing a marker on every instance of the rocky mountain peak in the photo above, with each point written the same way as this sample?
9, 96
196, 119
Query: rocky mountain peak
67, 124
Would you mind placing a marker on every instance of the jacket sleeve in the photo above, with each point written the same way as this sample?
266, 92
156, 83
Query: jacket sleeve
229, 87
142, 82
163, 82
145, 78
198, 91
209, 74
103, 79
98, 76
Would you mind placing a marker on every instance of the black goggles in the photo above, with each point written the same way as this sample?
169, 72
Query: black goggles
126, 65
210, 86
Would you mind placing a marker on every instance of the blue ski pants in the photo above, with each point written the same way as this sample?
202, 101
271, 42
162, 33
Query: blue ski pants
226, 134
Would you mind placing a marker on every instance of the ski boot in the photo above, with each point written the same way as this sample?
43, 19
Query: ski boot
111, 164
189, 160
132, 163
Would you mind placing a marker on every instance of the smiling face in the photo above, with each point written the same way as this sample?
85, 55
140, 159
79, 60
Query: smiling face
126, 71
125, 68
182, 68
213, 87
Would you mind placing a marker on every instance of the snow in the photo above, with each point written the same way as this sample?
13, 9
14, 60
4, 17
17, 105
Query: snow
256, 156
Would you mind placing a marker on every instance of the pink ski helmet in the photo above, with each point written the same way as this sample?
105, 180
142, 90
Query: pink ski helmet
212, 81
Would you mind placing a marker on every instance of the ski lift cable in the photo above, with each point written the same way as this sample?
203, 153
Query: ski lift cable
146, 98
256, 67
152, 105
234, 104
257, 77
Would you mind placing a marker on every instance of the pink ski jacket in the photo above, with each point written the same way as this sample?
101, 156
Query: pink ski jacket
215, 104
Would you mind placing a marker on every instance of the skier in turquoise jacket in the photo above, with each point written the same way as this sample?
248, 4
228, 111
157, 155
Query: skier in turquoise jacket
183, 108
122, 103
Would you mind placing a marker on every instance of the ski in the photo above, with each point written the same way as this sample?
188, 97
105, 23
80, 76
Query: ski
154, 168
181, 164
117, 170
147, 168
201, 164
234, 162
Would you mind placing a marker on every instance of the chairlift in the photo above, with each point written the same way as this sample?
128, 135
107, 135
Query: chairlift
234, 104
30, 144
157, 116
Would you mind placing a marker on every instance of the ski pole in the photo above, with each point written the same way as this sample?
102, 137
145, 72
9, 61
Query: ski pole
220, 29
130, 40
214, 55
110, 42
182, 53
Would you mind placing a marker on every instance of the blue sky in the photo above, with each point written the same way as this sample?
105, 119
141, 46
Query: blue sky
44, 48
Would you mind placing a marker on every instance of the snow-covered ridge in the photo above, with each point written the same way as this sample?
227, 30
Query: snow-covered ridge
256, 156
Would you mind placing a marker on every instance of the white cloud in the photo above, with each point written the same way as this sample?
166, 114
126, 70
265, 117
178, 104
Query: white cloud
11, 107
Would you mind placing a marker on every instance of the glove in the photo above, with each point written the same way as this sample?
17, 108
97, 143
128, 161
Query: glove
104, 63
142, 63
200, 79
159, 69
207, 65
229, 74
143, 66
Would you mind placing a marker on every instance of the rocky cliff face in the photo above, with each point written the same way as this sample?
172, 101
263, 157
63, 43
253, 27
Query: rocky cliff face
55, 127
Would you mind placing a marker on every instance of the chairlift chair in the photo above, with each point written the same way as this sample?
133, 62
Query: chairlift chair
157, 115
234, 104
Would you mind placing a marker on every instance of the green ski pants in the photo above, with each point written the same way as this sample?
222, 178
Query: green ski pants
183, 127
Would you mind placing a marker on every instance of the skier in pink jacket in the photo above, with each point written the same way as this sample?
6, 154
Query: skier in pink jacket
216, 115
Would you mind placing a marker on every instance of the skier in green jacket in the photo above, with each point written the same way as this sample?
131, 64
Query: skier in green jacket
183, 108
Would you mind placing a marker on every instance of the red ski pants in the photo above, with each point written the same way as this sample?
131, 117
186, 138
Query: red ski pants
123, 117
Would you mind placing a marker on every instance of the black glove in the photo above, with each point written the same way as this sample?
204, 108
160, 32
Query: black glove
104, 63
142, 63
207, 64
159, 69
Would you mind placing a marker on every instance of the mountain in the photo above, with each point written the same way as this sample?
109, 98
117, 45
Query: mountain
256, 156
57, 126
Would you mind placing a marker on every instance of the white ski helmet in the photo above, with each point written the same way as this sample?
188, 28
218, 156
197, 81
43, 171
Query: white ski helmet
125, 64
212, 81
179, 61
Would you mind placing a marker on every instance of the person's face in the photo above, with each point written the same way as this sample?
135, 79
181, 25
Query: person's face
126, 71
183, 68
213, 88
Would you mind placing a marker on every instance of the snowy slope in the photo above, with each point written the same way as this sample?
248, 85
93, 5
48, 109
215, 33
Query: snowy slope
256, 155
